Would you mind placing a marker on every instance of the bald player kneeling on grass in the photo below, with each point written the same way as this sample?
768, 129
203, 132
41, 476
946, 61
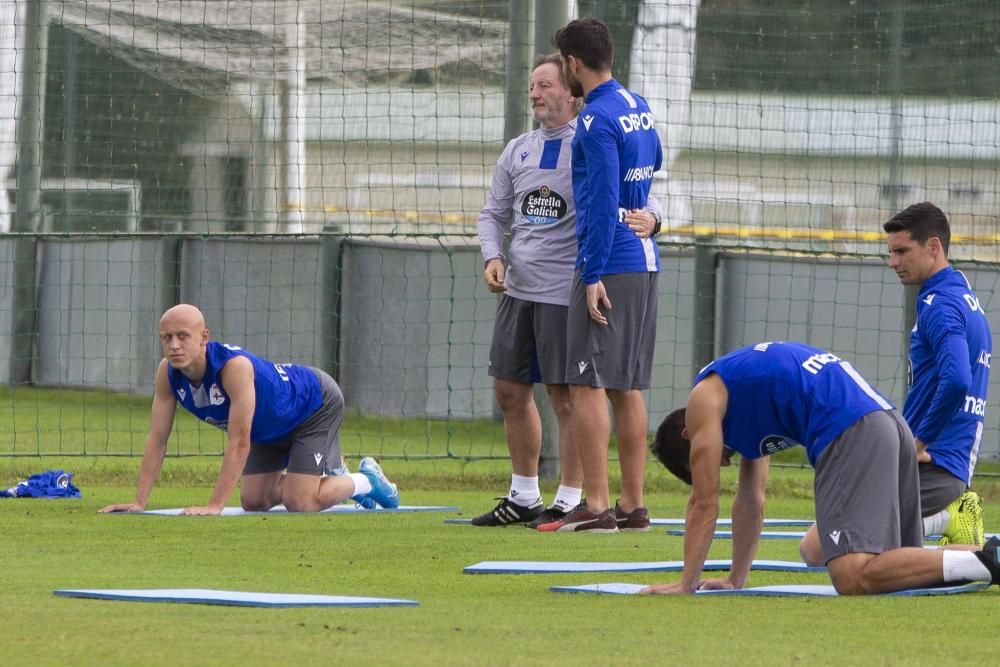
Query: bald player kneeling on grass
278, 417
766, 398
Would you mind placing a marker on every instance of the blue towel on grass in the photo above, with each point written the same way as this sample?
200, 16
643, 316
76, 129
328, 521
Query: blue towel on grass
48, 484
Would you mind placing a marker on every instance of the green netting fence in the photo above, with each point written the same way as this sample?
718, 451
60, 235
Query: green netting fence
310, 174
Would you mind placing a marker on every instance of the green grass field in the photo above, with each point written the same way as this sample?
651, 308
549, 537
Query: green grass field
462, 619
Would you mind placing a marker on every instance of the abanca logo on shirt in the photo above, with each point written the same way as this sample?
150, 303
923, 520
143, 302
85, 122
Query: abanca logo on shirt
543, 206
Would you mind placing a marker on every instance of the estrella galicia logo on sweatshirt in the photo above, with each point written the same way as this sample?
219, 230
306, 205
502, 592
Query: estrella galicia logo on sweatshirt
543, 206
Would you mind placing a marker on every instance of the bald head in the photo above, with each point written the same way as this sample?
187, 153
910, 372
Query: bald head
184, 337
184, 313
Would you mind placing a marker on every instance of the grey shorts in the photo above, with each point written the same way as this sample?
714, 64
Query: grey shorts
310, 448
620, 354
529, 342
867, 489
938, 488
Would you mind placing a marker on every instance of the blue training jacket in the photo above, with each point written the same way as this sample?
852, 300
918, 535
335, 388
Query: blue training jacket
950, 352
616, 150
787, 394
287, 394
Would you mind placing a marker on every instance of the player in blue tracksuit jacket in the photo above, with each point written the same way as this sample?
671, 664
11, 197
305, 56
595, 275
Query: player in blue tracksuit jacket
616, 150
765, 398
951, 348
282, 423
611, 321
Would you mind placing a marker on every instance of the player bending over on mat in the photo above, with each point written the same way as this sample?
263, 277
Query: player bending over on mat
772, 396
278, 417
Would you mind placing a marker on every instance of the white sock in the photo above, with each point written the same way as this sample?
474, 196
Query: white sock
936, 523
362, 486
524, 490
964, 566
567, 498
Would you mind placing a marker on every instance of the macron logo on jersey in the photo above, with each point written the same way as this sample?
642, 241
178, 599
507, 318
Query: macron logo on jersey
928, 299
587, 120
181, 393
524, 155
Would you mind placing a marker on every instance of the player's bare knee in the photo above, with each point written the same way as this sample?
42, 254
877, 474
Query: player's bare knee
811, 552
848, 574
561, 404
512, 395
848, 583
300, 504
254, 505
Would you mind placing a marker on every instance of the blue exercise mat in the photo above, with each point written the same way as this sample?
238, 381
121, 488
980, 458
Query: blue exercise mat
764, 535
556, 567
783, 535
792, 590
774, 523
232, 598
336, 509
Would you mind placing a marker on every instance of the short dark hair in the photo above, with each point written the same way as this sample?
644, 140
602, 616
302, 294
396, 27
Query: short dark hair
588, 40
923, 221
671, 448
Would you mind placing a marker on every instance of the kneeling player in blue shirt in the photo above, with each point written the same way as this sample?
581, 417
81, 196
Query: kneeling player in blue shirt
762, 399
279, 418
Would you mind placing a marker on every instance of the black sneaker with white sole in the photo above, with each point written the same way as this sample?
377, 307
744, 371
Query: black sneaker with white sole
507, 512
989, 555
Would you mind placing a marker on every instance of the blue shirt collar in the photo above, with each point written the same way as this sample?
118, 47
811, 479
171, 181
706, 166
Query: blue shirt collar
937, 278
606, 87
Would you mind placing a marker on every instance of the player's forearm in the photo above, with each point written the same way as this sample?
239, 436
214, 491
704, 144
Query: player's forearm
233, 461
954, 381
152, 461
490, 236
748, 520
699, 529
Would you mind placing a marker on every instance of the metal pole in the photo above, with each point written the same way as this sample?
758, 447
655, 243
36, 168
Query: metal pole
69, 120
910, 292
705, 259
295, 140
332, 259
550, 15
516, 118
29, 194
170, 273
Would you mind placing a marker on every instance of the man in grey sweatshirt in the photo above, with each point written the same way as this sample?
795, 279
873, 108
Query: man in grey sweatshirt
532, 195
